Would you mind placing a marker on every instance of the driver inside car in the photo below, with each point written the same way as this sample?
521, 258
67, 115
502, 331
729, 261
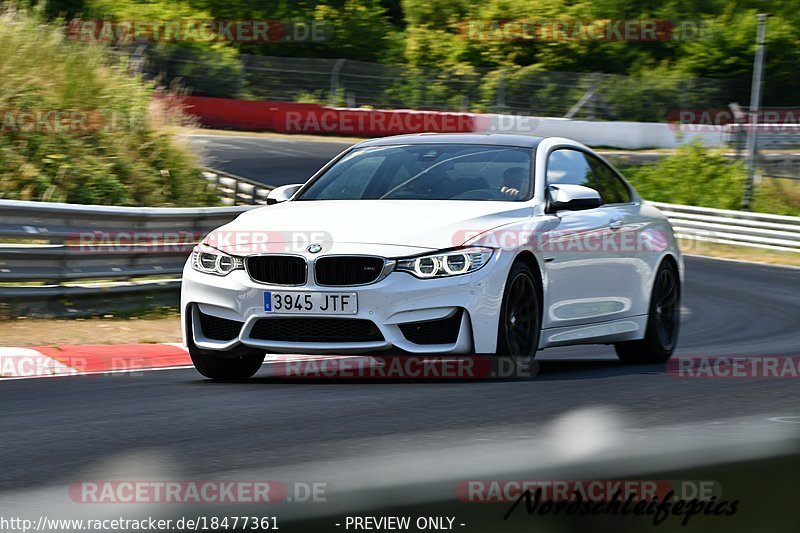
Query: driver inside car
515, 182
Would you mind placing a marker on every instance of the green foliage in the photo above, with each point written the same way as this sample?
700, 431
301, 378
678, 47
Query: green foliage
443, 65
207, 71
309, 97
354, 29
780, 196
361, 31
712, 39
693, 176
124, 152
718, 41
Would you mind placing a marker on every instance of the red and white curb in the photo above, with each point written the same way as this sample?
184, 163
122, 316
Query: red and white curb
74, 360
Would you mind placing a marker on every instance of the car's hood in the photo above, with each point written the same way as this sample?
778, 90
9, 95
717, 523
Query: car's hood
416, 224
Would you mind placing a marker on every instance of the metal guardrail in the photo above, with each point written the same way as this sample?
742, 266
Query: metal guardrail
75, 260
739, 228
55, 223
238, 190
768, 135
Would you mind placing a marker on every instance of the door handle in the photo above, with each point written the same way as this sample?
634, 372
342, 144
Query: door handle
615, 225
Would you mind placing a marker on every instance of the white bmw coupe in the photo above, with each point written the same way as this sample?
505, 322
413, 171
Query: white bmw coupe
438, 244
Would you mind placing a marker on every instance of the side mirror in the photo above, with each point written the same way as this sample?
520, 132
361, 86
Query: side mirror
568, 197
282, 193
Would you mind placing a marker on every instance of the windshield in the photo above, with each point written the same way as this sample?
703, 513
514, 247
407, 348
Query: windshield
427, 172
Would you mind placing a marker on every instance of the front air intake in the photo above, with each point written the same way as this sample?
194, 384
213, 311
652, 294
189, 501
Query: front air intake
219, 329
301, 329
441, 331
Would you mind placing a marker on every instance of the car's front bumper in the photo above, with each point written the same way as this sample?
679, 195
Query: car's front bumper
397, 299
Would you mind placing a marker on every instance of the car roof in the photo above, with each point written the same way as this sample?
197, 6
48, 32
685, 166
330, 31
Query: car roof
498, 139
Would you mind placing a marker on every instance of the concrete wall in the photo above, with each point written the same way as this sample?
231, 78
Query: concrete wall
289, 117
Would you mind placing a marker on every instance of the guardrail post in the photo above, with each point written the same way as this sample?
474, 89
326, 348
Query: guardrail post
755, 102
337, 68
588, 99
501, 91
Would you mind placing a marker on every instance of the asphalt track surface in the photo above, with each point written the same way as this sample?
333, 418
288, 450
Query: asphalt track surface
270, 160
57, 430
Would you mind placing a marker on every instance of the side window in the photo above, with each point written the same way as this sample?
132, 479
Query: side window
571, 166
612, 189
568, 166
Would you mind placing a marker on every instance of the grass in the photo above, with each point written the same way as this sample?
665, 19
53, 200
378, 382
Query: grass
780, 196
121, 150
105, 330
739, 253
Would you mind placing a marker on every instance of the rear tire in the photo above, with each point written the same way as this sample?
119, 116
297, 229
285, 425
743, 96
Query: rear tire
663, 321
235, 365
520, 320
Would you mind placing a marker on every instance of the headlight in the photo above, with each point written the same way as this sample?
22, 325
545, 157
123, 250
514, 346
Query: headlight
211, 261
445, 264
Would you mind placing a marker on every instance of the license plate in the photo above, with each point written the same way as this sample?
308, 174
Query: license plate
326, 303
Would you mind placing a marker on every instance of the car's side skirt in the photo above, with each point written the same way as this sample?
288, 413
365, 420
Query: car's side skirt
624, 329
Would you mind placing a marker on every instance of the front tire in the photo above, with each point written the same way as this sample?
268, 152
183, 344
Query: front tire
663, 321
520, 319
241, 366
